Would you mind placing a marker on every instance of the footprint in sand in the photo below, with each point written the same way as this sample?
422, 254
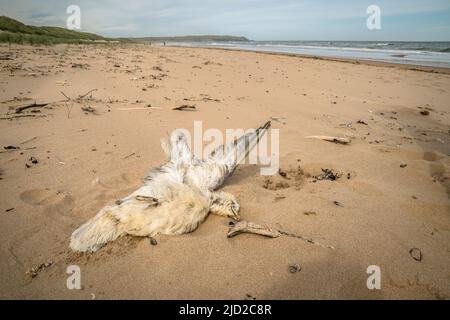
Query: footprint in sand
438, 166
50, 199
432, 156
114, 187
114, 182
365, 189
41, 197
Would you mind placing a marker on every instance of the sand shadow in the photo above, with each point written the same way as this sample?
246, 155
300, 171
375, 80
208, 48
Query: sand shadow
334, 281
431, 137
242, 173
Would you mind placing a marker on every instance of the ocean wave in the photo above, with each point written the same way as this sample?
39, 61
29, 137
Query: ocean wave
442, 47
418, 51
383, 44
438, 54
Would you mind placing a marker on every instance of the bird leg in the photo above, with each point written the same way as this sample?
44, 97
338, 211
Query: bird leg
224, 204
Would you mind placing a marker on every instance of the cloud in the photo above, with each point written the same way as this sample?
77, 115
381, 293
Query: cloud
257, 19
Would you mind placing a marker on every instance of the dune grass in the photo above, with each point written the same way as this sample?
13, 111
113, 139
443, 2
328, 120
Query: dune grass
33, 39
13, 31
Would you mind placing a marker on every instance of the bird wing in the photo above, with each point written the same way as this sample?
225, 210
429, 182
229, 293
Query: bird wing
210, 173
234, 152
173, 171
206, 174
177, 149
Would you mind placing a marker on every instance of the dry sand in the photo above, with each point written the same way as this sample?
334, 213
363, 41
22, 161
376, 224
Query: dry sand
87, 160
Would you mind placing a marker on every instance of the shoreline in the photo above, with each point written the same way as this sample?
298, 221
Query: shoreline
412, 67
355, 61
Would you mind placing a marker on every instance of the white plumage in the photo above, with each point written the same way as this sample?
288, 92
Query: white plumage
175, 198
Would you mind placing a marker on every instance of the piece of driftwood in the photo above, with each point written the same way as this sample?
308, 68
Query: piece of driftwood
12, 150
131, 154
250, 227
28, 106
11, 147
67, 97
89, 109
204, 98
84, 95
23, 116
28, 140
184, 107
340, 140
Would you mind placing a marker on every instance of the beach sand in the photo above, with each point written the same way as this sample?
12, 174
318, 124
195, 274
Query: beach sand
374, 214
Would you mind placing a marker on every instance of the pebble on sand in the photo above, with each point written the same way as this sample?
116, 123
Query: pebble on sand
294, 268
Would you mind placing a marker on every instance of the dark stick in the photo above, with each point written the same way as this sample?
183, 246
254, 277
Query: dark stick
65, 95
33, 105
82, 96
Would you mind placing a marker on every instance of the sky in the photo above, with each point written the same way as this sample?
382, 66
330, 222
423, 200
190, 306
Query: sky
402, 20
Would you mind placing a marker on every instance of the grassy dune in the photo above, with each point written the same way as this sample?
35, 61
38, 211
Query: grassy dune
13, 31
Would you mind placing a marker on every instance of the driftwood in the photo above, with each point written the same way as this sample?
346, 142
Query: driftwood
68, 98
89, 109
12, 150
28, 106
184, 107
11, 147
204, 98
131, 154
28, 140
250, 227
23, 116
84, 95
340, 140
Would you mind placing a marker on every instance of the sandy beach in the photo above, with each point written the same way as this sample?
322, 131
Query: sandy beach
97, 133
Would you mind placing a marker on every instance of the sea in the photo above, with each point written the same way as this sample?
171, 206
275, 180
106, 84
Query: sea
432, 54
